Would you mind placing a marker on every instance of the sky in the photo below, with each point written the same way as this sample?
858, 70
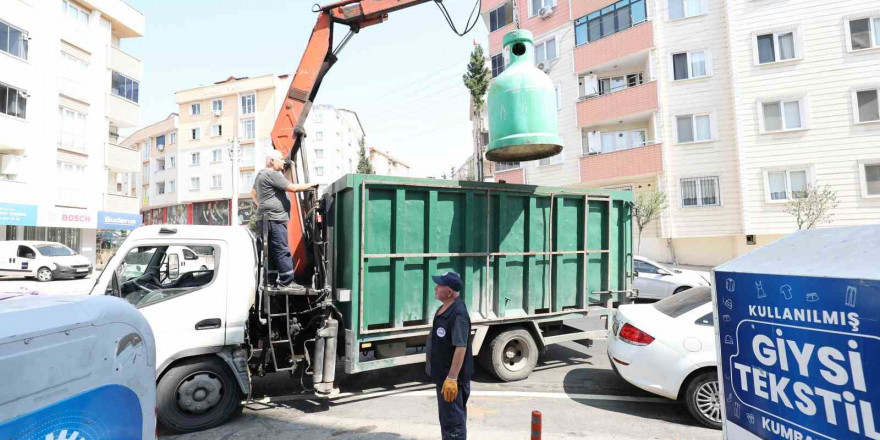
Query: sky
402, 77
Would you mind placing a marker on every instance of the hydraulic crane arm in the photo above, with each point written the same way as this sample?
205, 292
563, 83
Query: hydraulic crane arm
319, 56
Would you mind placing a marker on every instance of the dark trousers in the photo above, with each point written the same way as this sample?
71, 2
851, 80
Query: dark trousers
453, 415
280, 261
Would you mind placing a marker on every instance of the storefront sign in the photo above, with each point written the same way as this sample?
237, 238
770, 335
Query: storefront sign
118, 220
18, 215
68, 218
800, 356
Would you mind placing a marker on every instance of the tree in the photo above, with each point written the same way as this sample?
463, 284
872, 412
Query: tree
476, 79
364, 165
648, 207
812, 207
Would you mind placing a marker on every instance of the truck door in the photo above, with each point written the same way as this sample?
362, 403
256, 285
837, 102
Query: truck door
186, 310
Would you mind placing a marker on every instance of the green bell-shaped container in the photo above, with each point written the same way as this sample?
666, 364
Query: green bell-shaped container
522, 107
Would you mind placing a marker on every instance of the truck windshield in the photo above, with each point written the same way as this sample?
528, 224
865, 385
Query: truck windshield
54, 250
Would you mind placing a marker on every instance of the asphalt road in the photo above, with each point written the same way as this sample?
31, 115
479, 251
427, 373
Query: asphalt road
56, 287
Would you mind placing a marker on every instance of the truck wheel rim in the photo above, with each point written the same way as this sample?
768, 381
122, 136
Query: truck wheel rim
199, 392
515, 355
708, 401
44, 275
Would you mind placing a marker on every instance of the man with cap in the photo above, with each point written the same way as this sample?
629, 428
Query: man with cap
270, 195
450, 360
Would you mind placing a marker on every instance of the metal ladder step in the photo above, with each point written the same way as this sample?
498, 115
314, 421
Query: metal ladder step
282, 341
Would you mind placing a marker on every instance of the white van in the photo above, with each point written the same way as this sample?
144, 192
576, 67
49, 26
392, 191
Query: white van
43, 260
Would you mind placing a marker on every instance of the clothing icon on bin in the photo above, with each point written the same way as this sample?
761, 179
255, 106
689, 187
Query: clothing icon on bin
760, 288
751, 418
729, 397
728, 340
812, 297
851, 292
725, 318
730, 284
736, 409
728, 303
785, 290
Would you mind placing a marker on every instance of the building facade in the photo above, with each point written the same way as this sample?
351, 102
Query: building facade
66, 88
729, 124
332, 143
384, 164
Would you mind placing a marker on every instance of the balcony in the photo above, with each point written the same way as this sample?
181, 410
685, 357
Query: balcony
635, 40
123, 63
122, 112
631, 163
121, 159
121, 203
628, 103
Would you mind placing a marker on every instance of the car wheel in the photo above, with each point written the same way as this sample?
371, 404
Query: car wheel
44, 274
512, 355
703, 398
197, 394
680, 289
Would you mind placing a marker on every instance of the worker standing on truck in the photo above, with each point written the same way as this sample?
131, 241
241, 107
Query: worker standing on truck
450, 360
270, 195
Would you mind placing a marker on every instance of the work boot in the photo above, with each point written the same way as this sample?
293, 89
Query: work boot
291, 287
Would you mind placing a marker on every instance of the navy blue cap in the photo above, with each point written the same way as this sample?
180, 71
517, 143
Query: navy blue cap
449, 279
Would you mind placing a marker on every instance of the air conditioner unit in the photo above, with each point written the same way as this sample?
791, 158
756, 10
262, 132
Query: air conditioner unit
545, 12
11, 163
217, 112
544, 67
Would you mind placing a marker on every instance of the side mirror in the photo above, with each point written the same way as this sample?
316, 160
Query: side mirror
635, 273
173, 266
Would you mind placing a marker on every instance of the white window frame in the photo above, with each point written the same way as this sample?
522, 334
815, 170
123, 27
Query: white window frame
699, 189
319, 171
172, 162
558, 96
196, 133
195, 108
704, 6
544, 43
82, 13
802, 108
319, 153
712, 128
708, 62
797, 44
863, 178
787, 171
245, 136
544, 4
875, 41
24, 41
172, 137
171, 187
195, 158
319, 135
216, 155
195, 183
508, 4
855, 102
73, 138
216, 181
217, 105
503, 64
248, 103
216, 130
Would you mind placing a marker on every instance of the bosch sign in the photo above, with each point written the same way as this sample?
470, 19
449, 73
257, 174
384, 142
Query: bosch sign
75, 218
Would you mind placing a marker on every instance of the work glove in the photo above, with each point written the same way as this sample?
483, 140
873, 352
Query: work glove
450, 390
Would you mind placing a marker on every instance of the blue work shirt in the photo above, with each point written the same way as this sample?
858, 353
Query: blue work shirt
451, 329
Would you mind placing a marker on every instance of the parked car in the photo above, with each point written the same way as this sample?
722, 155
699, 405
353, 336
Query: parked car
655, 281
43, 260
668, 348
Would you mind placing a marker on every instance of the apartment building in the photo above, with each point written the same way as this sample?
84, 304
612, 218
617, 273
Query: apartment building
66, 88
715, 103
332, 143
384, 164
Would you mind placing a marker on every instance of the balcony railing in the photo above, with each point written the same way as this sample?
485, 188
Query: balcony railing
630, 101
629, 163
639, 38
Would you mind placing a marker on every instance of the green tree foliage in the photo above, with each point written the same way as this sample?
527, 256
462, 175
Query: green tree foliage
364, 165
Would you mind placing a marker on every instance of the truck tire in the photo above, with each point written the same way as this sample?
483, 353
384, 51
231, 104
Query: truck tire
512, 355
197, 394
703, 399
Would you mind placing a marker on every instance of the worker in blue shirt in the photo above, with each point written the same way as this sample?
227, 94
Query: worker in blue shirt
450, 360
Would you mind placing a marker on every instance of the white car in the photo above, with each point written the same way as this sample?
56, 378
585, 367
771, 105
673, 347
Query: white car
655, 281
43, 260
668, 348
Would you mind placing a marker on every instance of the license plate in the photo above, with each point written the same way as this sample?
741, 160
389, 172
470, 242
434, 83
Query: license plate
82, 270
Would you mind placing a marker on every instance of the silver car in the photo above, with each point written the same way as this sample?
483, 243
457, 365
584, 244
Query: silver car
655, 281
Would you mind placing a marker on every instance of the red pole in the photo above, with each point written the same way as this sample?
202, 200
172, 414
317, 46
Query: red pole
536, 425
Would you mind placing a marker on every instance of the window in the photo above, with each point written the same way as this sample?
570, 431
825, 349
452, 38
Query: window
551, 160
195, 109
502, 166
497, 65
867, 107
74, 13
319, 153
870, 174
196, 133
72, 130
612, 141
248, 104
195, 158
160, 188
216, 181
786, 184
782, 115
172, 278
71, 172
319, 135
776, 47
618, 83
700, 191
686, 8
536, 6
646, 268
13, 101
687, 65
71, 63
216, 155
13, 41
171, 186
247, 130
145, 150
500, 17
172, 162
125, 87
693, 128
864, 33
609, 20
247, 181
216, 130
194, 183
545, 51
217, 105
122, 182
26, 252
318, 117
160, 142
172, 137
319, 171
146, 172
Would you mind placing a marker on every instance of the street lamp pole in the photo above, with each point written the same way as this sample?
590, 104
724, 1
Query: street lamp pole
234, 150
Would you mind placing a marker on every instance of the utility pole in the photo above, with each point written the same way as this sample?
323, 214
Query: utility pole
234, 151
